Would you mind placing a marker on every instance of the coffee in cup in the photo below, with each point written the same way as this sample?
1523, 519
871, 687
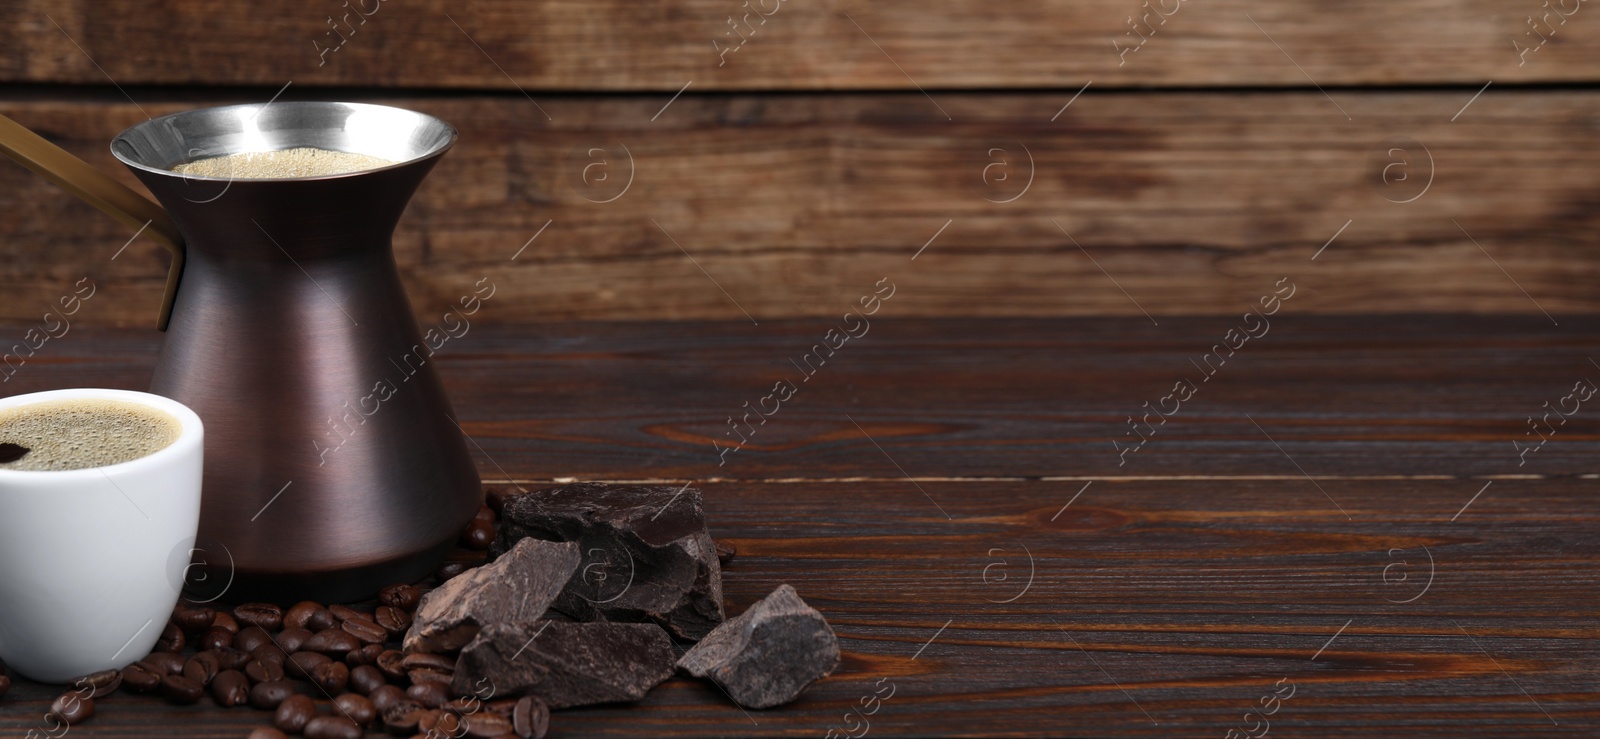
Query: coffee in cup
77, 433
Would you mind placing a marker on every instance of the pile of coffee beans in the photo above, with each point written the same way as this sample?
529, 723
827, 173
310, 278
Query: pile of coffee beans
325, 672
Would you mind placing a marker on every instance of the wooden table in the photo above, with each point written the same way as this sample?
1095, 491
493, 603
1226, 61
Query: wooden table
1339, 509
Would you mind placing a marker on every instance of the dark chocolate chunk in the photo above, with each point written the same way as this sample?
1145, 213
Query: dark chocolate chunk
517, 588
646, 553
567, 663
725, 552
768, 655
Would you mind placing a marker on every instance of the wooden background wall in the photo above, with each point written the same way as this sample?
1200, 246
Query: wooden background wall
1201, 162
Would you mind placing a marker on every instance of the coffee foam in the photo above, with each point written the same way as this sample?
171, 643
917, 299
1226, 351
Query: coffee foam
304, 161
81, 433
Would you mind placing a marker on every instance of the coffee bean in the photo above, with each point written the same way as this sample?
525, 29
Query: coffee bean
72, 708
427, 661
504, 706
230, 688
171, 639
263, 671
301, 664
300, 614
478, 536
181, 690
322, 621
193, 620
226, 622
358, 708
251, 637
267, 732
452, 569
403, 597
266, 696
439, 723
216, 638
165, 663
725, 552
401, 718
430, 694
418, 677
229, 658
294, 713
364, 656
345, 613
393, 620
485, 513
365, 679
265, 615
486, 725
333, 727
141, 678
331, 642
202, 668
331, 677
392, 663
462, 706
531, 718
100, 684
269, 653
5, 684
384, 696
292, 639
495, 498
365, 631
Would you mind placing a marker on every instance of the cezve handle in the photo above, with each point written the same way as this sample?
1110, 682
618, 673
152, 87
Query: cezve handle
96, 188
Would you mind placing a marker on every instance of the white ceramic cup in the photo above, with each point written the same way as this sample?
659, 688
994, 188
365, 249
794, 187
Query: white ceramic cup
92, 561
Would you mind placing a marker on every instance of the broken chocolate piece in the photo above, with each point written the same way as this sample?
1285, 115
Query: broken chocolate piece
515, 589
770, 654
12, 452
567, 663
646, 553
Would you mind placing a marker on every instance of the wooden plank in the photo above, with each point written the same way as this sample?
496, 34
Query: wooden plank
779, 205
1144, 608
1335, 397
838, 44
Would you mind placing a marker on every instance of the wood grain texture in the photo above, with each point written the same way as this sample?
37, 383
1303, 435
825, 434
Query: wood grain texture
793, 205
829, 45
1345, 397
1144, 608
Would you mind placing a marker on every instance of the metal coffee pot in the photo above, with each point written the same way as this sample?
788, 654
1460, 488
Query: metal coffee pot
333, 463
